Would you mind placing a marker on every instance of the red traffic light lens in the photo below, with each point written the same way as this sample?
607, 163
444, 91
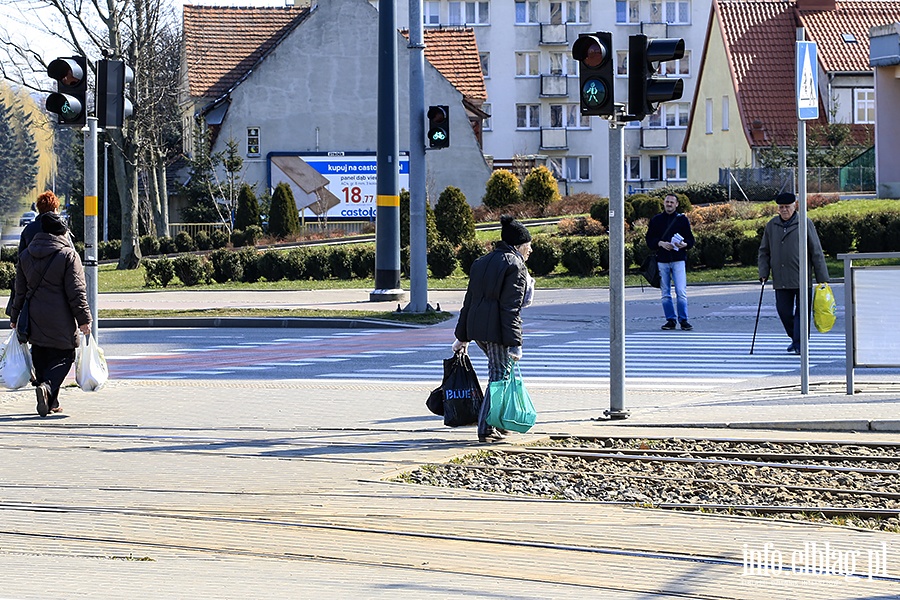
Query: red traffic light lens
590, 51
436, 114
595, 56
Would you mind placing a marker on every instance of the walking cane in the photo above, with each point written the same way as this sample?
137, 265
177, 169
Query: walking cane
758, 308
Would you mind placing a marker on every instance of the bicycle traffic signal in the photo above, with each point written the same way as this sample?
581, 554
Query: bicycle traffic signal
645, 90
69, 101
439, 126
594, 53
113, 105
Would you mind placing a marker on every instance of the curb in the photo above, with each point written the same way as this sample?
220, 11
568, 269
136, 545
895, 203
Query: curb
256, 322
845, 425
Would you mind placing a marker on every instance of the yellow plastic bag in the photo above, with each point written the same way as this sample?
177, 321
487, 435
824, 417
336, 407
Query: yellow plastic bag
824, 308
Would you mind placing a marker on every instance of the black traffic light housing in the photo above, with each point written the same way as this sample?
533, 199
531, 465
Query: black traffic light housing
113, 105
439, 126
645, 90
595, 56
69, 102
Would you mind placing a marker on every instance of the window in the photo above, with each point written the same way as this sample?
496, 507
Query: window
578, 11
670, 167
526, 12
677, 68
633, 168
578, 168
864, 105
528, 64
621, 63
709, 115
724, 113
528, 116
562, 63
431, 13
673, 12
468, 13
676, 113
486, 124
253, 141
485, 64
656, 118
556, 13
574, 118
556, 115
628, 11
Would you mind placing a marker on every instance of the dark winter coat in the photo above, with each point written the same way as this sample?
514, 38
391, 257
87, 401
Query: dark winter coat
59, 303
490, 311
659, 227
779, 252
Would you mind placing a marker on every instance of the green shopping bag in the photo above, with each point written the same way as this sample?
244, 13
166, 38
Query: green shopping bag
511, 406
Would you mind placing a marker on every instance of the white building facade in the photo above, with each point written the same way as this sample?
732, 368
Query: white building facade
533, 87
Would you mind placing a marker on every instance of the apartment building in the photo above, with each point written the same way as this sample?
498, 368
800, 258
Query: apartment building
533, 88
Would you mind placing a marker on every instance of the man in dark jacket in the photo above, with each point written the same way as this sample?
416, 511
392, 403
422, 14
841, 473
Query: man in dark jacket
779, 253
669, 234
490, 311
50, 273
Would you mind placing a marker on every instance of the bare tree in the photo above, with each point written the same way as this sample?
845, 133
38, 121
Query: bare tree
144, 34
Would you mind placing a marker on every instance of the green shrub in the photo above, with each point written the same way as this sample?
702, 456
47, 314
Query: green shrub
716, 248
167, 245
190, 269
252, 235
250, 265
9, 254
698, 193
645, 206
184, 242
453, 216
835, 233
272, 265
7, 275
283, 219
580, 256
545, 255
340, 263
600, 211
540, 187
581, 226
470, 251
502, 189
404, 261
431, 232
226, 266
603, 248
442, 259
746, 250
317, 264
158, 272
247, 213
202, 240
109, 250
218, 238
295, 264
695, 254
362, 261
237, 238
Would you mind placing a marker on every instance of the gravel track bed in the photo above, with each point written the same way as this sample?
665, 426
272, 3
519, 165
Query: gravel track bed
690, 445
653, 483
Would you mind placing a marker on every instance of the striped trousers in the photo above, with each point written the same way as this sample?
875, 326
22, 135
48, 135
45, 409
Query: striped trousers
498, 368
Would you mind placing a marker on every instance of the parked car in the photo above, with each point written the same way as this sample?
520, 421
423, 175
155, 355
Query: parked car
26, 218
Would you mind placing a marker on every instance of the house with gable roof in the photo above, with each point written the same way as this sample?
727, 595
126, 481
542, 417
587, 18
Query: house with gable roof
291, 81
746, 99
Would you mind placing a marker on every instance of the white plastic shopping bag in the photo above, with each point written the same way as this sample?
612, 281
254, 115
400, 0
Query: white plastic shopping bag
16, 369
91, 371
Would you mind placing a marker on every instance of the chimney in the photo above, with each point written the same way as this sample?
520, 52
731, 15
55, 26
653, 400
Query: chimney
808, 5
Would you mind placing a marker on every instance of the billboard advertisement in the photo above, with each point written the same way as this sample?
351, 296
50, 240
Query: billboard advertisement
332, 185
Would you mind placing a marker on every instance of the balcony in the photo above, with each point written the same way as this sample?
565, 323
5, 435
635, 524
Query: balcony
554, 138
553, 35
554, 85
656, 137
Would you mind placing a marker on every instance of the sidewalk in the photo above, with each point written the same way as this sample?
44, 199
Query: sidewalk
282, 489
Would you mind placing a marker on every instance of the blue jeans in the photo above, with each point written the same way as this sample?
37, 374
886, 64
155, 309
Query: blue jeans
673, 273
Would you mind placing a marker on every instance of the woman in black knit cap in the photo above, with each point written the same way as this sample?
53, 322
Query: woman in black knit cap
496, 294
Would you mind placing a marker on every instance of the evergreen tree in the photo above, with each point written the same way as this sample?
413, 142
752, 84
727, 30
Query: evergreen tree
454, 217
18, 155
283, 219
247, 208
200, 187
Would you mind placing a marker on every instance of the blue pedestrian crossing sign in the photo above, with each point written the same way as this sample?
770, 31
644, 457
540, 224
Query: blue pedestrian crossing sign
807, 81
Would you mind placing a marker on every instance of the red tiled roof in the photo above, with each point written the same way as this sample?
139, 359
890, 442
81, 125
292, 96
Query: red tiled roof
855, 17
454, 52
759, 37
222, 43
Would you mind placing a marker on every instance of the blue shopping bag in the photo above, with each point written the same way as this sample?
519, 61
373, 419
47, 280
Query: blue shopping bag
511, 406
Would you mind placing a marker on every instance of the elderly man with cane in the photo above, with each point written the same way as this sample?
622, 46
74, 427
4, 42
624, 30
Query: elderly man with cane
779, 254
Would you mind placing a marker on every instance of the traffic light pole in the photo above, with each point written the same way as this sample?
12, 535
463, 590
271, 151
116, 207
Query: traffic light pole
617, 268
90, 218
